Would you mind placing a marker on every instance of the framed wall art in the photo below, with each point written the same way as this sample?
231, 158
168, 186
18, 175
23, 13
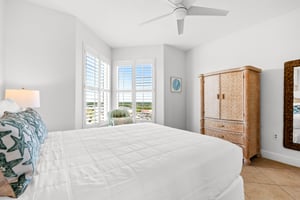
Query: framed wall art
176, 84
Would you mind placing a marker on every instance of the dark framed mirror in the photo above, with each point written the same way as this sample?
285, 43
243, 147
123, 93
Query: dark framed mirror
292, 104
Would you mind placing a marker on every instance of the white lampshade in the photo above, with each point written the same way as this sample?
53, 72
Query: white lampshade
24, 98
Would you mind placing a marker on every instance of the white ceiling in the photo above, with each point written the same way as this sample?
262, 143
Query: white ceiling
117, 22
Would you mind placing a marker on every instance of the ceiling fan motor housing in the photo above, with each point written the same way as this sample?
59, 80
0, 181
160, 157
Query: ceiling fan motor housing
180, 13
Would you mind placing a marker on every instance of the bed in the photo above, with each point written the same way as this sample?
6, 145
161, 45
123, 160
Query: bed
144, 161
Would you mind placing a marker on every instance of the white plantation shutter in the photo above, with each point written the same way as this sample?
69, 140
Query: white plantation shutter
96, 90
125, 87
143, 77
144, 91
125, 78
105, 90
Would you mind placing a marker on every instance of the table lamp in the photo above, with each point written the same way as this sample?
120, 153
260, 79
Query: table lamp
24, 98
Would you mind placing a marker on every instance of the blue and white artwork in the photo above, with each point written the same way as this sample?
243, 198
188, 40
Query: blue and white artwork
176, 84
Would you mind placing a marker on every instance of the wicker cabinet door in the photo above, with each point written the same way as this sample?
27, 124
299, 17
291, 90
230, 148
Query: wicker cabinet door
232, 93
212, 96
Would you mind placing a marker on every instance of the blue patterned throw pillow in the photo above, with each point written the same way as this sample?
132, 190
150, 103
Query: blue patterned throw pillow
34, 119
19, 149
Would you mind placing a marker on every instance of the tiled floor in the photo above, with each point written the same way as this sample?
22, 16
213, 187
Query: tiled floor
269, 180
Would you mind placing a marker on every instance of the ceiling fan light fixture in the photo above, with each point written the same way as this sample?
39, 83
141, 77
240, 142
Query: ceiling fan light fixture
180, 13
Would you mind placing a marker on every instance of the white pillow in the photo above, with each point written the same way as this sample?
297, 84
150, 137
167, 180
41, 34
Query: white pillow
296, 121
8, 105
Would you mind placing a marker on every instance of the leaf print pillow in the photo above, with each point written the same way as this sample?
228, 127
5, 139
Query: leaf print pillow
19, 149
34, 119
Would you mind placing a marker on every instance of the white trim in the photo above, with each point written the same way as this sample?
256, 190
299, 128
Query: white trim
281, 158
95, 52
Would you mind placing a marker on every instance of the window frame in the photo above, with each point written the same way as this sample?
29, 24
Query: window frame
133, 64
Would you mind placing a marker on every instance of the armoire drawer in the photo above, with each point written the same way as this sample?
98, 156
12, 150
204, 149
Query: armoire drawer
224, 125
234, 137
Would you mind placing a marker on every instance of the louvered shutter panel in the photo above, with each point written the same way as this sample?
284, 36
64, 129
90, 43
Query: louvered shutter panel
144, 85
96, 90
91, 90
125, 86
105, 90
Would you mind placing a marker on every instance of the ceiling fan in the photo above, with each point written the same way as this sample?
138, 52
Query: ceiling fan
183, 8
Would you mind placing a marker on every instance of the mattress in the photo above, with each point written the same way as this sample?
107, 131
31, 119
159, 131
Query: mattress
142, 161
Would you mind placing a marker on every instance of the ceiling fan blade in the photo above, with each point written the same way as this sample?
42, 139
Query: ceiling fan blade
195, 10
188, 3
171, 3
156, 18
180, 25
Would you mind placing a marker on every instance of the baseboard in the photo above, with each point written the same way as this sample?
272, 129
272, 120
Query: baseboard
281, 158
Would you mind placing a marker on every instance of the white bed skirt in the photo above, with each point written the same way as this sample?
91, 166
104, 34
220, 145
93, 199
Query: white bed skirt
234, 191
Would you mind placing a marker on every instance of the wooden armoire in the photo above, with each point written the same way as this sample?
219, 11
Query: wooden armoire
230, 107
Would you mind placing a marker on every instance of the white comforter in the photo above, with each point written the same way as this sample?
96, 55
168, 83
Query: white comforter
133, 162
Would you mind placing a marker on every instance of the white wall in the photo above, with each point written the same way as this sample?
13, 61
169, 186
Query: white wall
267, 45
174, 62
40, 54
2, 4
85, 38
147, 52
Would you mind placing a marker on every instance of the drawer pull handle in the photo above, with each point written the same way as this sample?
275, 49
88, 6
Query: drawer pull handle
221, 126
218, 96
223, 96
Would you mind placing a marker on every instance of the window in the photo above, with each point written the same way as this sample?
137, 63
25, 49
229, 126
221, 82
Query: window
96, 90
135, 89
